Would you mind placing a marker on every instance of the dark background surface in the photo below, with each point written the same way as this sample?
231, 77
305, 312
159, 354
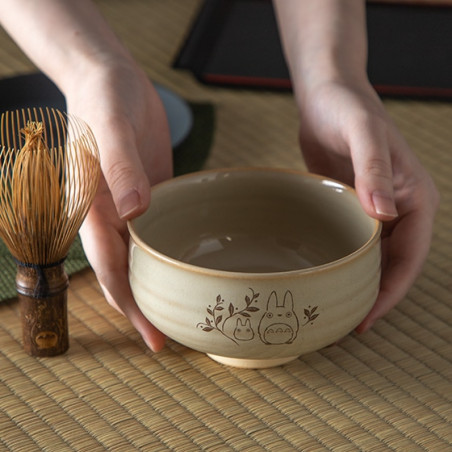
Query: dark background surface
236, 43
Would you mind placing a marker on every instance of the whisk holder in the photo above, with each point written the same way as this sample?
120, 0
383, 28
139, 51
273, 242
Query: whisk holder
42, 291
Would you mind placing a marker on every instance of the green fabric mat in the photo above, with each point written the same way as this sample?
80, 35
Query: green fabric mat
189, 156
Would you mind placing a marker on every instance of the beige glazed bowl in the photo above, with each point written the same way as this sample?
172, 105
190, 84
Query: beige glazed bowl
254, 267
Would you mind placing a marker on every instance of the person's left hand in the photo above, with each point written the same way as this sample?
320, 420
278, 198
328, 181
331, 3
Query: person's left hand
346, 134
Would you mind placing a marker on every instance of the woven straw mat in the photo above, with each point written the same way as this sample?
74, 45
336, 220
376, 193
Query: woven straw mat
388, 389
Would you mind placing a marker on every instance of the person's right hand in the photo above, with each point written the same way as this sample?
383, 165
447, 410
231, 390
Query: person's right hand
73, 45
129, 123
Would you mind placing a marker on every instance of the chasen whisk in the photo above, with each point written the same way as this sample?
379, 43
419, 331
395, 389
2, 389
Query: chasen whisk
48, 177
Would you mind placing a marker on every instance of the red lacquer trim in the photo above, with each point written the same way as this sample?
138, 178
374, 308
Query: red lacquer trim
267, 82
413, 91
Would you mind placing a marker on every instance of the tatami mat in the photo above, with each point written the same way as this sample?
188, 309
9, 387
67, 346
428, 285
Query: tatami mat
388, 389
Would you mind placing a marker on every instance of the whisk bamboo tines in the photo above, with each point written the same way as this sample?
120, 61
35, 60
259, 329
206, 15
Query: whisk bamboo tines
48, 178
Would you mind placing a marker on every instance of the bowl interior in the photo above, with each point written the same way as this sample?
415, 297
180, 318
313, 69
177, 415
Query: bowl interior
254, 221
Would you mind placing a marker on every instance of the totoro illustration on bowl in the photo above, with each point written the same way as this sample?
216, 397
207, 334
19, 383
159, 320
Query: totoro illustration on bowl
279, 324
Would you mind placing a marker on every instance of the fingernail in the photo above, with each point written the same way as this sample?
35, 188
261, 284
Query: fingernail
384, 204
154, 347
150, 346
128, 204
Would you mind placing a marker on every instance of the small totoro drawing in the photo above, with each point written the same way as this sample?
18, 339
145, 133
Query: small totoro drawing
243, 331
279, 324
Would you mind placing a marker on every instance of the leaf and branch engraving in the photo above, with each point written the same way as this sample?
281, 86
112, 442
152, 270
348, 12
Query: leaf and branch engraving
219, 314
309, 315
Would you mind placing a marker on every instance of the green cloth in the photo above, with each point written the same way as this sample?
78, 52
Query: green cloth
189, 156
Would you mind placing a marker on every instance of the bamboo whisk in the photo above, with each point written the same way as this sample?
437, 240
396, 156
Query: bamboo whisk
48, 178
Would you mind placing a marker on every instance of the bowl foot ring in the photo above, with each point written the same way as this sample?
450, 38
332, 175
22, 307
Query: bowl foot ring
252, 363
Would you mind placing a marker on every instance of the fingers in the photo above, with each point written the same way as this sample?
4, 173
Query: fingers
391, 184
369, 147
123, 169
119, 285
130, 125
405, 251
406, 247
404, 198
105, 244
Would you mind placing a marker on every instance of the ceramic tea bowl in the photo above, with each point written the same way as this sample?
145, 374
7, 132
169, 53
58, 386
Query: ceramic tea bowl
254, 267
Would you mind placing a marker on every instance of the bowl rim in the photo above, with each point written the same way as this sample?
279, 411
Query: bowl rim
366, 247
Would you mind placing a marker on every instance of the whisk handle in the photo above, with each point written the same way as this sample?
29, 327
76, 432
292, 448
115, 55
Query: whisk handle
42, 292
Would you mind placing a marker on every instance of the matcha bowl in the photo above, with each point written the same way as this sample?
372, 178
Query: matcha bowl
254, 267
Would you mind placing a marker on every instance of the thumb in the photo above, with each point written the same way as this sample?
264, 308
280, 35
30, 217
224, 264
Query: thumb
373, 172
124, 172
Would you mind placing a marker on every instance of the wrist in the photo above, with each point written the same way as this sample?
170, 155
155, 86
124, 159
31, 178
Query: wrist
324, 41
326, 74
102, 71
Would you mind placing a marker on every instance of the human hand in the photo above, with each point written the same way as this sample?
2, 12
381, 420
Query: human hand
129, 123
104, 87
346, 134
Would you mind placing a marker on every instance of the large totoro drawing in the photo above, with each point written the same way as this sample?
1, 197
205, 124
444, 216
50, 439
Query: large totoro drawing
279, 324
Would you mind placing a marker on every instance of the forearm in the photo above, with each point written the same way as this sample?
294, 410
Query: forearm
323, 40
63, 38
